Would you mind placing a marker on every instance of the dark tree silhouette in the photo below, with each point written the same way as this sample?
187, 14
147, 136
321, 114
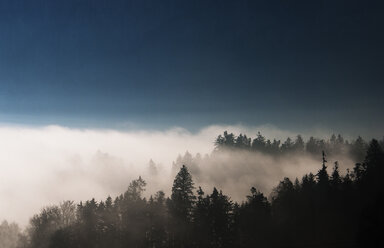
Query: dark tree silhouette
180, 208
254, 221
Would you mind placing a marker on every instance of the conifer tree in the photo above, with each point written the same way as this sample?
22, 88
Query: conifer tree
180, 207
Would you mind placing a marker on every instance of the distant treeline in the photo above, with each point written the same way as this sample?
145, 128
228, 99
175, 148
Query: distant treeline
319, 210
335, 145
10, 235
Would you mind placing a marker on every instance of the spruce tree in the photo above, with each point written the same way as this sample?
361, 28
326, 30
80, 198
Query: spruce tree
180, 208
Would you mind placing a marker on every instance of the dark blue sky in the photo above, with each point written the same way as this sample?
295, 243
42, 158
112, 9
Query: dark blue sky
294, 64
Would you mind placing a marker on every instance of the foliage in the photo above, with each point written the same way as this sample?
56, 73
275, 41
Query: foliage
334, 146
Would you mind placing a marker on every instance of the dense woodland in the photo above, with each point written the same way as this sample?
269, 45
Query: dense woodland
336, 145
325, 209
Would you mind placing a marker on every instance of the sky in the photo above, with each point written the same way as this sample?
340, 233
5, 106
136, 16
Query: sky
159, 64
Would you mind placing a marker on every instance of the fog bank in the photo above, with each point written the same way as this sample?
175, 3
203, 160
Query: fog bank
46, 165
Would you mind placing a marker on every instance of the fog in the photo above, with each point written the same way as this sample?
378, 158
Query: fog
235, 172
40, 166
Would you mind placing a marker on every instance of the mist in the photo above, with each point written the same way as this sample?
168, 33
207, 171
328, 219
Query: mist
236, 171
40, 166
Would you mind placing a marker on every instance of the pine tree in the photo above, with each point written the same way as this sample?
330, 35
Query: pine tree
201, 221
335, 177
220, 208
299, 145
180, 207
322, 175
182, 195
258, 144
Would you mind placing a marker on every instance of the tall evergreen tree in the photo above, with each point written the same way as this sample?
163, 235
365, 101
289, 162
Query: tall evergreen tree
254, 221
180, 208
201, 220
358, 149
259, 143
335, 177
322, 175
299, 144
219, 216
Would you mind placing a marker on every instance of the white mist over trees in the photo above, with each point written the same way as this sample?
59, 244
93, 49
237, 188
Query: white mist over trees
322, 209
45, 166
10, 235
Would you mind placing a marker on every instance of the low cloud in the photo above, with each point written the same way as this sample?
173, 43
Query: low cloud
46, 165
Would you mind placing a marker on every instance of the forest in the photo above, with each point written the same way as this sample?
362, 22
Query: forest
336, 145
326, 208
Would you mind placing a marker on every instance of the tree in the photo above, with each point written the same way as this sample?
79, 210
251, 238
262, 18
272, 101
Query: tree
336, 144
43, 225
226, 141
335, 177
133, 207
253, 221
322, 175
258, 144
315, 146
157, 232
273, 147
9, 235
152, 169
287, 146
243, 142
68, 213
180, 207
358, 149
88, 223
219, 211
135, 190
299, 144
201, 221
182, 195
282, 197
372, 195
